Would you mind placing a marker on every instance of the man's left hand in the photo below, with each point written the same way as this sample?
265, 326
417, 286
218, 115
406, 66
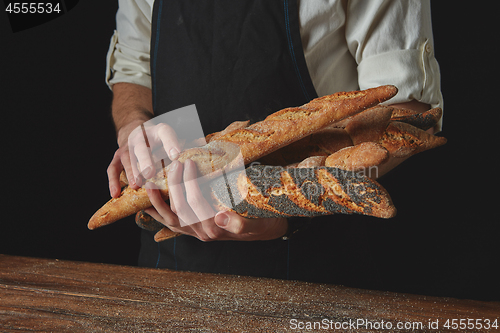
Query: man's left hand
193, 207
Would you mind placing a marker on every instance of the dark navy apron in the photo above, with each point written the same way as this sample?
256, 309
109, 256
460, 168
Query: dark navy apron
235, 60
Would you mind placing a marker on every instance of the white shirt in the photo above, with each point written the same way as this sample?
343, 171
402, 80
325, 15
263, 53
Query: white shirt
348, 45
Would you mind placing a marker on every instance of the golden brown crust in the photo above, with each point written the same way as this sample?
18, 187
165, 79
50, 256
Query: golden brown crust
324, 142
130, 202
358, 158
330, 140
279, 192
123, 179
164, 234
365, 197
404, 140
399, 113
368, 125
313, 161
292, 124
232, 127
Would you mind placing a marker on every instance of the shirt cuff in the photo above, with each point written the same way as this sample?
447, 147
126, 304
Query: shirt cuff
124, 64
415, 72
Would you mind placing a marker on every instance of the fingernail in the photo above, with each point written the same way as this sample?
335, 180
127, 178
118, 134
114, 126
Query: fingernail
188, 163
221, 220
113, 191
173, 166
173, 153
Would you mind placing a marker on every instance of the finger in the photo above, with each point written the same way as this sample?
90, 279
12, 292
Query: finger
207, 229
113, 171
141, 153
249, 229
194, 196
176, 194
135, 139
146, 168
161, 210
169, 140
128, 167
184, 230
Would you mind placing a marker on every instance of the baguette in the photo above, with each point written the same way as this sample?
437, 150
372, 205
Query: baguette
232, 127
404, 140
288, 125
322, 143
424, 120
147, 222
253, 142
164, 234
365, 126
377, 124
265, 191
358, 158
369, 125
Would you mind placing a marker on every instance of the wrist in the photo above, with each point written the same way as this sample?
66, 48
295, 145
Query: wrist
132, 106
124, 131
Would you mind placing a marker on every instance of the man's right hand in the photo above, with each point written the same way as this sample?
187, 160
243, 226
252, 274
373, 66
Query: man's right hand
136, 138
132, 106
121, 161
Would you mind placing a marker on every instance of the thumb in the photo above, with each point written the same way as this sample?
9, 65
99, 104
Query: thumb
240, 225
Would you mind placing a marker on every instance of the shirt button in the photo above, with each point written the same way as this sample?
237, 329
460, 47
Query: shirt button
428, 48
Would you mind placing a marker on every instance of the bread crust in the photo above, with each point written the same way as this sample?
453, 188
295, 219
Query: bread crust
358, 158
424, 120
279, 192
404, 140
253, 142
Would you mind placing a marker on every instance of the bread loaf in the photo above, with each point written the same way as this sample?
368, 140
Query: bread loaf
313, 161
358, 158
375, 124
402, 139
265, 191
164, 234
369, 125
253, 142
424, 120
147, 222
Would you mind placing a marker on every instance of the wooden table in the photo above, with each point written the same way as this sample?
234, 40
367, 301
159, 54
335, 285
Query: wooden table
51, 295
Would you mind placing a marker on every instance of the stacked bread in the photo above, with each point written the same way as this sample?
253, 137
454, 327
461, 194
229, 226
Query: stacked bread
314, 160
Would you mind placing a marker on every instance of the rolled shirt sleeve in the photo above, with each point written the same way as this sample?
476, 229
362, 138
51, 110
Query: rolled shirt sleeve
128, 54
392, 43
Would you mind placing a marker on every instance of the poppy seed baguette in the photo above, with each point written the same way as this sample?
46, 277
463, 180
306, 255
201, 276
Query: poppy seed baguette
266, 191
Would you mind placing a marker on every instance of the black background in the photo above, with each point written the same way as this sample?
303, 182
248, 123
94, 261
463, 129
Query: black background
58, 139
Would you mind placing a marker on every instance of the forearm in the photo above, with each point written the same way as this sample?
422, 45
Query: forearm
132, 105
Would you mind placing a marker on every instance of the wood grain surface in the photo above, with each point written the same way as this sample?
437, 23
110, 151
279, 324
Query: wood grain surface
49, 295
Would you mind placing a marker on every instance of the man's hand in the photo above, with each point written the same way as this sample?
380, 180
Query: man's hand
132, 106
138, 138
185, 212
